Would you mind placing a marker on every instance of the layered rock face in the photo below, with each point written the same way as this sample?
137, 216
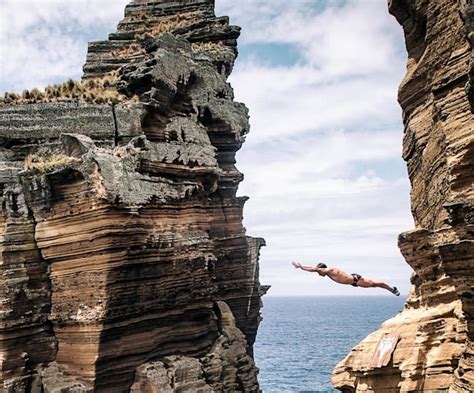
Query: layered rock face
435, 351
124, 263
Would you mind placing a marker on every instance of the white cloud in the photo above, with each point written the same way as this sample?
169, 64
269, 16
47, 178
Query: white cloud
289, 100
354, 39
359, 37
348, 73
299, 162
45, 41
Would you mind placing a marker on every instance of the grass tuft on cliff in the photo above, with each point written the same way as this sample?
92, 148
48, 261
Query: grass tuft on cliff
94, 90
164, 25
46, 161
214, 47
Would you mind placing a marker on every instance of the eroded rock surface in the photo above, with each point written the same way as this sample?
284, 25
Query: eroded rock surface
124, 263
435, 350
225, 368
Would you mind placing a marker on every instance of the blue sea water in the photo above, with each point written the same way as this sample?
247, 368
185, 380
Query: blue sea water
301, 339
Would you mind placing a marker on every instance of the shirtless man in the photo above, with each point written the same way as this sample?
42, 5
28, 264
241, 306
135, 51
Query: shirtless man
337, 275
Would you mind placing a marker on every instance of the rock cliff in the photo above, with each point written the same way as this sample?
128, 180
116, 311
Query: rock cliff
124, 263
435, 350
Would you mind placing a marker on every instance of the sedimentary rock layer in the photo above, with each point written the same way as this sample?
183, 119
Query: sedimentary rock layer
435, 349
124, 262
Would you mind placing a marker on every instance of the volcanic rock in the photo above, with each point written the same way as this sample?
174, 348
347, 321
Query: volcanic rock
435, 348
124, 263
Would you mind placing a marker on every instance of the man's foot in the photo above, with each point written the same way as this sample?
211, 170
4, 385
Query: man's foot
395, 291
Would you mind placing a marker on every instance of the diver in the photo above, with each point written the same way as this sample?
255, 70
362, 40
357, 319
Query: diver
341, 277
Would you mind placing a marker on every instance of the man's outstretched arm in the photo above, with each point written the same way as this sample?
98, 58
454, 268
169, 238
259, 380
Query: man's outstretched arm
309, 268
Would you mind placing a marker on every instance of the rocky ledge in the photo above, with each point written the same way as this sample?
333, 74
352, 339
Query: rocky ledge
124, 263
435, 331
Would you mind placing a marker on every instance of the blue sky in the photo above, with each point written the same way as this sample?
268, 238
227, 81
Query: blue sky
322, 162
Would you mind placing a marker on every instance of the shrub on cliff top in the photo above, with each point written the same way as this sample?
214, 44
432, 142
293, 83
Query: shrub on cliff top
46, 161
132, 50
94, 90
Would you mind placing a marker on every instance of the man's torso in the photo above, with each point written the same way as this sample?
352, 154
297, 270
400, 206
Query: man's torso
340, 276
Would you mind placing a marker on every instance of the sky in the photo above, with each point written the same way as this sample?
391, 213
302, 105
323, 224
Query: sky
322, 162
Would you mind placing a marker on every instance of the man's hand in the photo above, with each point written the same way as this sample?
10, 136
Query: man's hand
297, 265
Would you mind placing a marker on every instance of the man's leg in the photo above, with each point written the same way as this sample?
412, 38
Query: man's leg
366, 283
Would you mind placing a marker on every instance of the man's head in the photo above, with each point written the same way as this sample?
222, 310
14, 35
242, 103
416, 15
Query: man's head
321, 266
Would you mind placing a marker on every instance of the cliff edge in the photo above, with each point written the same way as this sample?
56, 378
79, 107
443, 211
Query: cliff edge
124, 265
433, 335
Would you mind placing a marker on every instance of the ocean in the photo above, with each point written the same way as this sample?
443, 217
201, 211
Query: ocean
301, 339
